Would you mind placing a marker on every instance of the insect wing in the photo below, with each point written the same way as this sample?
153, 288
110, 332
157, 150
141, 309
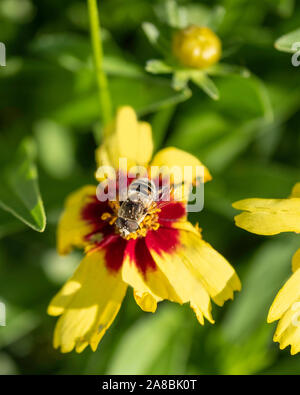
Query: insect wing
174, 193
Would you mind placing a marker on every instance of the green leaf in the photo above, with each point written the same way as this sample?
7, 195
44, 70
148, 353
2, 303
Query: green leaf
223, 69
181, 16
19, 193
157, 39
173, 14
180, 80
201, 15
245, 98
156, 66
205, 83
289, 42
122, 66
73, 53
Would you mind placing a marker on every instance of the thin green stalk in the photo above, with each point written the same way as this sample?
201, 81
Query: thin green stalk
105, 100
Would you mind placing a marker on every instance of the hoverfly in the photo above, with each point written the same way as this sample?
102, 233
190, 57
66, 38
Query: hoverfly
142, 195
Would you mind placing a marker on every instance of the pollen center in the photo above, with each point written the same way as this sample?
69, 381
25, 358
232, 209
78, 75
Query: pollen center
149, 222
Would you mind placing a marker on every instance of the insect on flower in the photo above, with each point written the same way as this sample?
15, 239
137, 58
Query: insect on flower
141, 198
141, 239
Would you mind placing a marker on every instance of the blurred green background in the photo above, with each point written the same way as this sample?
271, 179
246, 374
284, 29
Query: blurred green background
249, 139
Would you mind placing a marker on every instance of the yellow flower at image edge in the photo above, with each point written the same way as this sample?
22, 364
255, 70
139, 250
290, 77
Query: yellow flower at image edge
166, 258
197, 47
270, 217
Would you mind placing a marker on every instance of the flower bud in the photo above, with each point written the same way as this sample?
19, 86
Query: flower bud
197, 47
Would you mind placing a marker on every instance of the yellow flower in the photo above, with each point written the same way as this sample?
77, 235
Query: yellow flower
270, 217
197, 47
166, 258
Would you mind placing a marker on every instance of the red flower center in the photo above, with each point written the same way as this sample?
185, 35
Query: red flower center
156, 232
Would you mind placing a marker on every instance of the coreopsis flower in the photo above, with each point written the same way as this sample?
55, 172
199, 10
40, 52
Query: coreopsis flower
270, 217
165, 258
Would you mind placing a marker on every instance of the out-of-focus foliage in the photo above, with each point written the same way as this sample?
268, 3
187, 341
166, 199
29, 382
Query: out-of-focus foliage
289, 42
19, 190
249, 139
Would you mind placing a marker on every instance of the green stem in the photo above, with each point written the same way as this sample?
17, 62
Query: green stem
102, 82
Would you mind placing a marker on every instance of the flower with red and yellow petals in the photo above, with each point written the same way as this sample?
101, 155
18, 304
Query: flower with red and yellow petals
270, 217
166, 258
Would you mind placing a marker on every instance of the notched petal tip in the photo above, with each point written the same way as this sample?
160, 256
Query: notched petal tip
233, 285
200, 315
295, 349
146, 301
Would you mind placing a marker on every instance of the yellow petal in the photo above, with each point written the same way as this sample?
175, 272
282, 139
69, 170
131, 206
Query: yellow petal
103, 157
269, 216
296, 191
142, 294
186, 285
146, 301
288, 329
288, 295
72, 228
87, 303
196, 272
187, 226
171, 157
149, 288
128, 139
296, 261
145, 144
211, 268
